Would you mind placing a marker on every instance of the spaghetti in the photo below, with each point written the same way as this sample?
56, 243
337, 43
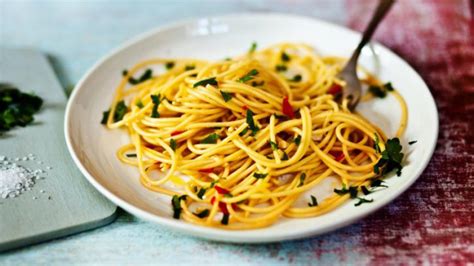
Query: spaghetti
238, 141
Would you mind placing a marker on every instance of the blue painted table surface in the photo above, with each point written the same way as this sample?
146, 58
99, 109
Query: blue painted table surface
75, 34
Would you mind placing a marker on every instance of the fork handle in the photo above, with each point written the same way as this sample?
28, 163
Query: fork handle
382, 9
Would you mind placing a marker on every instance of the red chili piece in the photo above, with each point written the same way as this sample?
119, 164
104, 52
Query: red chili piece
335, 89
287, 109
206, 170
174, 133
222, 206
338, 155
221, 190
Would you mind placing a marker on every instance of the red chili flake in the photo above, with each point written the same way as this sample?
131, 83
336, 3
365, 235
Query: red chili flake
222, 206
206, 170
177, 132
221, 190
335, 89
287, 109
245, 107
338, 155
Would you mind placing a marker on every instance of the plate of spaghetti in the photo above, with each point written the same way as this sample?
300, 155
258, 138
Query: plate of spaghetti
228, 129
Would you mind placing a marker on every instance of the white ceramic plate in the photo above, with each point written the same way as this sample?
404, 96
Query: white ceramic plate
93, 147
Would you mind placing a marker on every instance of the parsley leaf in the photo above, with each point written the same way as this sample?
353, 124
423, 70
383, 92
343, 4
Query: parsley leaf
365, 190
243, 132
302, 178
225, 219
376, 144
314, 202
120, 110
352, 191
139, 104
253, 47
176, 204
388, 86
285, 57
297, 78
391, 158
189, 67
251, 122
131, 155
227, 96
156, 103
377, 91
201, 193
204, 82
169, 65
412, 142
281, 68
16, 108
259, 175
297, 140
273, 145
173, 144
148, 74
249, 76
211, 139
362, 201
202, 214
285, 156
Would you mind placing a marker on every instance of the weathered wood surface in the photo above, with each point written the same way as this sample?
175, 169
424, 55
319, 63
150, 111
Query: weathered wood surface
432, 223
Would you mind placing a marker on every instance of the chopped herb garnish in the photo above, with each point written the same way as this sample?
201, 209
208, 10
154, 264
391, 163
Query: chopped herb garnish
362, 201
211, 139
227, 59
243, 132
377, 183
297, 78
173, 144
352, 191
376, 144
201, 193
139, 104
259, 175
302, 178
249, 76
285, 57
205, 82
314, 202
202, 214
124, 72
273, 145
225, 219
412, 142
285, 156
256, 84
297, 140
17, 108
253, 47
281, 68
156, 103
391, 158
130, 155
169, 65
120, 110
227, 96
388, 86
377, 91
176, 204
365, 190
189, 67
251, 122
148, 74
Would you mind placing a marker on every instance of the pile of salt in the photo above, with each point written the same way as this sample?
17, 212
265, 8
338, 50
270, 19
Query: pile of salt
15, 179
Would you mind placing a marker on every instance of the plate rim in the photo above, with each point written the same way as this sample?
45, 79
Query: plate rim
222, 235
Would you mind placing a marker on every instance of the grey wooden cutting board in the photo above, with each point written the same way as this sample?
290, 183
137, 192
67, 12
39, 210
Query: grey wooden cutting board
63, 202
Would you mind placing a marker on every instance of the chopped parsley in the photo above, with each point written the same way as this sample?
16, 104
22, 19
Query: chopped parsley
201, 192
352, 191
302, 178
120, 110
273, 145
205, 82
17, 108
253, 47
130, 155
377, 183
388, 86
251, 122
148, 74
412, 142
227, 96
139, 104
259, 175
225, 219
189, 67
297, 140
285, 57
249, 76
173, 144
377, 91
281, 68
176, 204
314, 202
362, 201
256, 84
243, 132
169, 65
202, 214
365, 190
376, 144
211, 139
284, 157
124, 72
297, 78
391, 158
156, 103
